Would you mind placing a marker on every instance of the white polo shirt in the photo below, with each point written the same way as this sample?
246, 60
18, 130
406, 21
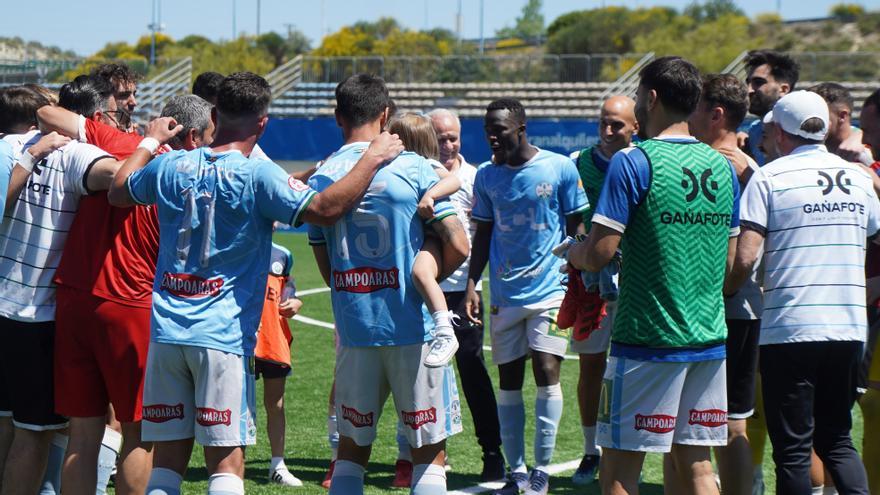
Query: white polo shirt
33, 233
816, 212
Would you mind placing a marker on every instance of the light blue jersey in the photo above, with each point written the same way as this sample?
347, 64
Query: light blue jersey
215, 239
373, 248
7, 161
527, 205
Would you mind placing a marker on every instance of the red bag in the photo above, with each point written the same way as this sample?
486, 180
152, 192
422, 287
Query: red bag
584, 310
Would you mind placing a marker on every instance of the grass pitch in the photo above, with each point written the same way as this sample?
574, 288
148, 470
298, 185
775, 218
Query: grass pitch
307, 453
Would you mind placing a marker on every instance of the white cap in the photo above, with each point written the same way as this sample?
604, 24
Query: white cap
768, 119
795, 108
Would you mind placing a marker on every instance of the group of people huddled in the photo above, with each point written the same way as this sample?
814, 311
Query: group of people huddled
141, 294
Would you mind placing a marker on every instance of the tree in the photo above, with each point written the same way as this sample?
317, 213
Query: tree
529, 25
847, 12
711, 10
274, 45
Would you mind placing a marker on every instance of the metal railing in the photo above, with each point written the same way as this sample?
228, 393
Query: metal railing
153, 94
286, 76
628, 83
470, 68
737, 66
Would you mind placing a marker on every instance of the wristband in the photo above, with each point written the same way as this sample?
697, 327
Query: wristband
149, 144
27, 161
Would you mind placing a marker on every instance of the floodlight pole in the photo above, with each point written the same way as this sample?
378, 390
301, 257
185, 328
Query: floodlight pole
258, 17
482, 39
234, 28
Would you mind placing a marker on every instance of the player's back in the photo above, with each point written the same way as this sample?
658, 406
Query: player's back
373, 248
821, 210
215, 214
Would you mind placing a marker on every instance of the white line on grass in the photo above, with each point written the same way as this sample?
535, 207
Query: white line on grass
482, 487
494, 485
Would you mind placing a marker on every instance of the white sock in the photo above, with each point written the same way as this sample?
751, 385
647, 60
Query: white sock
277, 463
590, 447
225, 484
443, 324
428, 479
164, 482
817, 490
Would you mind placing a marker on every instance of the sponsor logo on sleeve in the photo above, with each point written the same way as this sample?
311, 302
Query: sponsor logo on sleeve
296, 184
206, 416
355, 417
710, 418
655, 423
160, 413
366, 279
416, 419
190, 286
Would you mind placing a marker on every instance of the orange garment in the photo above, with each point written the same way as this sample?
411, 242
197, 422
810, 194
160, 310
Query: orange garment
274, 338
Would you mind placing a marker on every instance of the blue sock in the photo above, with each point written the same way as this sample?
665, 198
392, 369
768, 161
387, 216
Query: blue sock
110, 446
512, 417
548, 412
164, 482
428, 479
52, 477
348, 479
225, 484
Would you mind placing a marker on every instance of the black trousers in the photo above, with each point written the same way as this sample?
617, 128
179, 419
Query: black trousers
475, 381
809, 388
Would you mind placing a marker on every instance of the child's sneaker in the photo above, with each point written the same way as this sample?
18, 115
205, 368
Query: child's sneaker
443, 348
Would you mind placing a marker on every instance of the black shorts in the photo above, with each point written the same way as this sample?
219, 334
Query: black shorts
270, 369
27, 390
742, 367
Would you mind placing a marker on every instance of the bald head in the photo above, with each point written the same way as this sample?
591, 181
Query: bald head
617, 124
448, 130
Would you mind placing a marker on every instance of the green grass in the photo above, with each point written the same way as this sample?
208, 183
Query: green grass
307, 452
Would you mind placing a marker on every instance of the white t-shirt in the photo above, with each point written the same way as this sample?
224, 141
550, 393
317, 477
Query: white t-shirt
748, 302
463, 202
18, 142
32, 235
816, 211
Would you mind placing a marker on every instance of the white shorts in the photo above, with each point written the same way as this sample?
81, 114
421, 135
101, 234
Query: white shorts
647, 406
598, 341
515, 330
196, 392
426, 399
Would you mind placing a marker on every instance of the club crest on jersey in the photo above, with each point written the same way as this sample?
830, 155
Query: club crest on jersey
711, 418
416, 419
655, 423
296, 184
544, 190
188, 285
160, 413
206, 416
366, 279
277, 268
355, 417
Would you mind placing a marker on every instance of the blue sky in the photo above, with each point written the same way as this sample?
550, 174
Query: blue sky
86, 25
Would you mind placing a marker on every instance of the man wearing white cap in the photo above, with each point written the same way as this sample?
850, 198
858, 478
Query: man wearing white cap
811, 211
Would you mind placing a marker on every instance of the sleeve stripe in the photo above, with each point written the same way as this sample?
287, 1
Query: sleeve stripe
734, 232
747, 225
482, 219
131, 192
295, 220
610, 223
579, 209
441, 216
85, 179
